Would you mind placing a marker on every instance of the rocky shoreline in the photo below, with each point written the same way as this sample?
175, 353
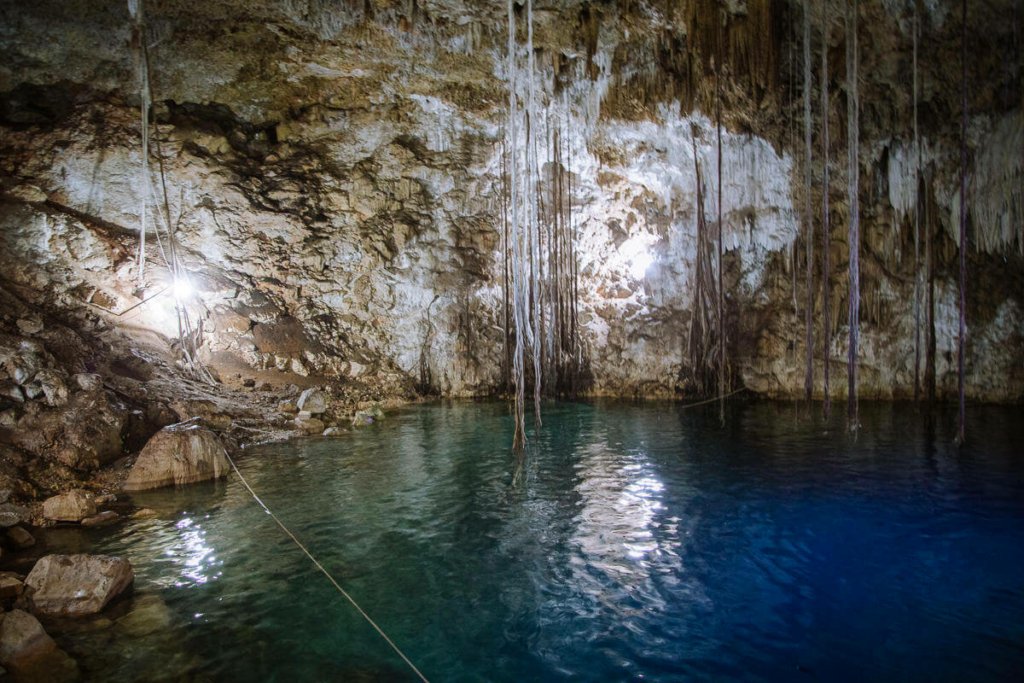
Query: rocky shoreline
86, 420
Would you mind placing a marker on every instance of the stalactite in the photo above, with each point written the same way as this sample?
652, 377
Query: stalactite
826, 299
917, 223
962, 333
808, 217
853, 182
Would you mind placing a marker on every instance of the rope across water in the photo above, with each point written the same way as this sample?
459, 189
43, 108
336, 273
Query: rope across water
326, 573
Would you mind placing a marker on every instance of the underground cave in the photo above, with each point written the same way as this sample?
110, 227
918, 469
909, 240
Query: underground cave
463, 340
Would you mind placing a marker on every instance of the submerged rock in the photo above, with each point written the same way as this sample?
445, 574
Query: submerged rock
76, 585
179, 454
149, 614
29, 652
73, 506
20, 538
309, 424
102, 519
368, 416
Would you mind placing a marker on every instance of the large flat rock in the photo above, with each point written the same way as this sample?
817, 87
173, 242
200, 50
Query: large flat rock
179, 454
76, 585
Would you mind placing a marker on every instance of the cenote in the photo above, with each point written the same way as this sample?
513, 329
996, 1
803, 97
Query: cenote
629, 542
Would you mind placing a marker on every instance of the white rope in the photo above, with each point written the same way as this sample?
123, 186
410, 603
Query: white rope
326, 573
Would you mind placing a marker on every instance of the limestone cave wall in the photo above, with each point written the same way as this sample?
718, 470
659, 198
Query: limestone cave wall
334, 175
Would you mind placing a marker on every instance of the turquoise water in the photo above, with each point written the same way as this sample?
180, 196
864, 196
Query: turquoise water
632, 542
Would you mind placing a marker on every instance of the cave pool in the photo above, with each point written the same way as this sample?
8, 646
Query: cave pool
632, 541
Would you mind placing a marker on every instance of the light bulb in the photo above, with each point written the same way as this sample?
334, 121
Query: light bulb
182, 288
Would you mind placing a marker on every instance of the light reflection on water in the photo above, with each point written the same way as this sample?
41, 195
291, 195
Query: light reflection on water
629, 542
198, 562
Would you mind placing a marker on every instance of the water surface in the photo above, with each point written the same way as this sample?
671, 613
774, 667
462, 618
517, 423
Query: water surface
632, 542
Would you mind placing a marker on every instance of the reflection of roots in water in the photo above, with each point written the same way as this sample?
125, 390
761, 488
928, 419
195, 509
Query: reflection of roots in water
518, 469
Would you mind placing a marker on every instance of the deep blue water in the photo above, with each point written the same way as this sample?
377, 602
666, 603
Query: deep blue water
632, 542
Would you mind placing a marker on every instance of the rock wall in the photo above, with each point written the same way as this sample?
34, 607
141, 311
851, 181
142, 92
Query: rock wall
333, 173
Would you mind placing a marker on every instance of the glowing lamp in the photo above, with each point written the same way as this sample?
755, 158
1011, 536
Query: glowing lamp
182, 288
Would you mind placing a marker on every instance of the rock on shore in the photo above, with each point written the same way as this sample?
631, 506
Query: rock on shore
179, 454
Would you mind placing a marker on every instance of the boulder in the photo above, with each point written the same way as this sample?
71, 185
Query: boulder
83, 435
76, 585
73, 506
179, 454
29, 653
313, 401
12, 514
11, 585
19, 538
